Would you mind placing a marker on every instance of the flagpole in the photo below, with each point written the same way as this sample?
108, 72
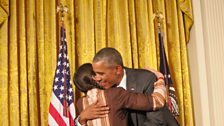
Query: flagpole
61, 109
158, 17
62, 10
171, 97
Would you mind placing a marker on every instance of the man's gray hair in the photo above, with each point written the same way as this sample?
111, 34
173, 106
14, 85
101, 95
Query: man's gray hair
109, 55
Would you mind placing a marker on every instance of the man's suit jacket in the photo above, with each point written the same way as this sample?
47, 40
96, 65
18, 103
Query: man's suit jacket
119, 100
140, 80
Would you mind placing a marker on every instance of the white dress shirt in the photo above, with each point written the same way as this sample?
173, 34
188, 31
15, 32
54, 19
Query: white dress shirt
123, 82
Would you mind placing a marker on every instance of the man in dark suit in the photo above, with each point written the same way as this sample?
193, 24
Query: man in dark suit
110, 72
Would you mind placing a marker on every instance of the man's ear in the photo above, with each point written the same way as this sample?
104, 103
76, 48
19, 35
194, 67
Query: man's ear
119, 69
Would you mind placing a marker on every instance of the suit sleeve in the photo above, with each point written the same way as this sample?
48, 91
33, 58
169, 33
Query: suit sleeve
130, 100
137, 101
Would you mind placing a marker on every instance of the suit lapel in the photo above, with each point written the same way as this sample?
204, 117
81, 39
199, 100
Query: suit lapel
131, 86
131, 82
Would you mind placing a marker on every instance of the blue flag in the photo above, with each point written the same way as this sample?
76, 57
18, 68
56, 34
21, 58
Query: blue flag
164, 69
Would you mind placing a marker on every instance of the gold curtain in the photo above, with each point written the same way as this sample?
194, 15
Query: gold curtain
29, 44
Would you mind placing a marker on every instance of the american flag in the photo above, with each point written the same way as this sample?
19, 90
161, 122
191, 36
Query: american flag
61, 109
164, 69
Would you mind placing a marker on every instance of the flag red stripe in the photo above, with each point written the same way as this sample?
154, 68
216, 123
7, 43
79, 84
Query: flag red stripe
54, 113
71, 120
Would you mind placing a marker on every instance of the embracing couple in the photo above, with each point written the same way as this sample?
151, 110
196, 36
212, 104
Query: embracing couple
119, 96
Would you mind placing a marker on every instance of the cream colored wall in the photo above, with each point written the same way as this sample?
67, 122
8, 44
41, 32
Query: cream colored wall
206, 58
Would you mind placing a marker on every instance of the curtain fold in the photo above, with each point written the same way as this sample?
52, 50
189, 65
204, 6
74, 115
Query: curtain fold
4, 62
29, 45
23, 72
4, 10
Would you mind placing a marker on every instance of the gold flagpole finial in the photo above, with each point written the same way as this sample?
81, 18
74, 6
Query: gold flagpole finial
61, 9
158, 17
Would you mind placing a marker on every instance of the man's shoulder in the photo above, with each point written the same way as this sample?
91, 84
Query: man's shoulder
139, 75
138, 72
